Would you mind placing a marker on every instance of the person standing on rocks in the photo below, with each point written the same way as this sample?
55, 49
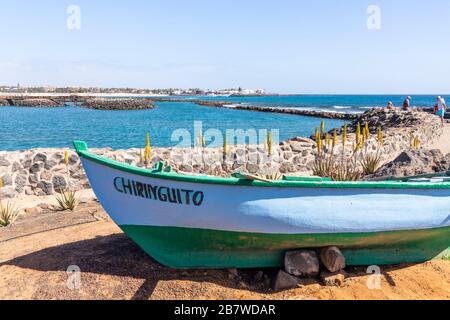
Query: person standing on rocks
407, 103
441, 107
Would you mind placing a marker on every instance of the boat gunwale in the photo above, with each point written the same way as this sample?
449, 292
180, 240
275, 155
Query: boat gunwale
82, 150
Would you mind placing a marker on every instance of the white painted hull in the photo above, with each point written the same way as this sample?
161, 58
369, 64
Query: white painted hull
270, 210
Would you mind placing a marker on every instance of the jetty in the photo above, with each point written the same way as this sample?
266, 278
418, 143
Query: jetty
118, 104
291, 111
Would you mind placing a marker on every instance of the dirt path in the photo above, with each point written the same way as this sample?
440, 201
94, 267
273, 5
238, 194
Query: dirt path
36, 252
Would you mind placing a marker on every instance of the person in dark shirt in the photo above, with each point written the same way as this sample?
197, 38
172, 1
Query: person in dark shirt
407, 103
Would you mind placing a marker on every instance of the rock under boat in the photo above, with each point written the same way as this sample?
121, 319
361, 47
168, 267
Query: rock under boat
207, 222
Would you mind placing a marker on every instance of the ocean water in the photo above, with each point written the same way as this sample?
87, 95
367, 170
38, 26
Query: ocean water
25, 128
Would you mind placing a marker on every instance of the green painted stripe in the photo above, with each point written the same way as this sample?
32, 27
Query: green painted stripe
82, 151
199, 248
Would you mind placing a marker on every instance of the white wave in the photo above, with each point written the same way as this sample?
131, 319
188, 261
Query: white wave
342, 107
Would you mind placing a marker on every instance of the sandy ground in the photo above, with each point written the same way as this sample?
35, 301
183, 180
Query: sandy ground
444, 142
36, 252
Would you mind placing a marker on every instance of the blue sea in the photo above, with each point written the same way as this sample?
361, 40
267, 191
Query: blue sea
25, 128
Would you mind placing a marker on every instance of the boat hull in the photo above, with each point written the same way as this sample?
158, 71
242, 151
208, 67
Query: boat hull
200, 248
203, 222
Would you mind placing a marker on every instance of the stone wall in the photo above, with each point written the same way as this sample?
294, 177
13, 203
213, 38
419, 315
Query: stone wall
43, 172
119, 104
399, 128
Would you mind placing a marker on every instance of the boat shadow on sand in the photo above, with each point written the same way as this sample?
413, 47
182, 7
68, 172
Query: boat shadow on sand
117, 256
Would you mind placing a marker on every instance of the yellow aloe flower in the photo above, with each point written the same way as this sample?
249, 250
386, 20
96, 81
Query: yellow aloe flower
358, 133
367, 131
269, 142
148, 148
322, 126
327, 139
317, 134
66, 157
200, 139
416, 142
380, 136
1, 183
319, 144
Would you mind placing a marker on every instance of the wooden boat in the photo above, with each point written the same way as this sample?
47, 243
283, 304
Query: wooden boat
208, 222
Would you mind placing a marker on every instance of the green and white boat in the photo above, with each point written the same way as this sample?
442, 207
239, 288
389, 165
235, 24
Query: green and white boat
208, 222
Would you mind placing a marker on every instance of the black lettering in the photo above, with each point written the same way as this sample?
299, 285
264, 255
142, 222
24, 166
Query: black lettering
179, 196
152, 191
198, 198
127, 187
116, 186
134, 188
172, 195
145, 190
188, 196
164, 194
140, 189
161, 196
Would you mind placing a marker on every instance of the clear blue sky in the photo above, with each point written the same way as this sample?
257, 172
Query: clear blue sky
294, 46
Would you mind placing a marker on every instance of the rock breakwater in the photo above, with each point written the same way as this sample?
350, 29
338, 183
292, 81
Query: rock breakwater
118, 104
291, 111
36, 103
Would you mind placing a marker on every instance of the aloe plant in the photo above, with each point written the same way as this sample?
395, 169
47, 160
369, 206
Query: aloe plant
8, 214
67, 200
353, 167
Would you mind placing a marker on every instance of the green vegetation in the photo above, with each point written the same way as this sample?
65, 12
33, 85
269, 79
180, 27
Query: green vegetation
67, 199
8, 213
347, 166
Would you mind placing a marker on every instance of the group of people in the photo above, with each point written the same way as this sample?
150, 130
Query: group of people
439, 108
